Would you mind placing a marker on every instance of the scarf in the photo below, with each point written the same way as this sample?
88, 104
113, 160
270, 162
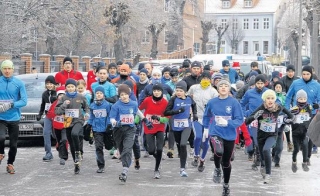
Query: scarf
72, 95
143, 82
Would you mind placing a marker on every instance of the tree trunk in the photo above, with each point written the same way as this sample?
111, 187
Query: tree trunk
154, 47
218, 44
118, 47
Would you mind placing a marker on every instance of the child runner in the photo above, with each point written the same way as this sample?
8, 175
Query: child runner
72, 105
154, 107
179, 108
58, 127
122, 119
302, 112
48, 97
267, 115
201, 94
98, 121
221, 123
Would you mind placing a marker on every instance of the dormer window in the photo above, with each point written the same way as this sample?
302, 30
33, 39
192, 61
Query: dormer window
226, 4
247, 3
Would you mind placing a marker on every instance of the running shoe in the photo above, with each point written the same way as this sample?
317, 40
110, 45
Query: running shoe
156, 175
195, 161
10, 169
226, 190
100, 170
267, 179
170, 154
183, 173
305, 167
217, 175
136, 164
201, 166
294, 167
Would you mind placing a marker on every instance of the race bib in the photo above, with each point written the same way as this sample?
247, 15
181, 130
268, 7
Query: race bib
102, 113
254, 124
181, 123
47, 106
268, 127
148, 116
59, 119
127, 119
280, 121
74, 113
302, 117
6, 101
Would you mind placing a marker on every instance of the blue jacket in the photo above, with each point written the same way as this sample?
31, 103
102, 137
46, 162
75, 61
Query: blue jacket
233, 75
12, 90
164, 80
125, 110
134, 77
251, 100
109, 88
99, 116
312, 89
147, 91
230, 110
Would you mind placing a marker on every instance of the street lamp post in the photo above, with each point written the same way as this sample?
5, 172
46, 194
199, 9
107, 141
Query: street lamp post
299, 66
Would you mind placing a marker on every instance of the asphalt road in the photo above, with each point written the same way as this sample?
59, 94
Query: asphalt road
35, 177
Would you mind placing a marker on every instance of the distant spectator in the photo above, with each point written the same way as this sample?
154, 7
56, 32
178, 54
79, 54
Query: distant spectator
34, 70
67, 72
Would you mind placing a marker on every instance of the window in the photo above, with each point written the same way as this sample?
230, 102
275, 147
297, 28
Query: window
265, 47
256, 23
146, 37
166, 36
248, 3
166, 5
266, 23
245, 47
235, 24
256, 46
196, 48
223, 23
225, 4
246, 23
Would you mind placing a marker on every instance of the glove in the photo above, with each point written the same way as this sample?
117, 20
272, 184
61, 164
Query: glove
147, 123
180, 110
66, 103
118, 124
258, 114
38, 117
286, 128
315, 106
247, 141
288, 120
205, 135
195, 117
4, 107
222, 122
246, 121
154, 117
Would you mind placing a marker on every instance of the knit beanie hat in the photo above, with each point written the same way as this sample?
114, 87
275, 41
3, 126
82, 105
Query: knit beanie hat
252, 80
195, 64
206, 67
112, 65
144, 70
174, 72
157, 86
67, 59
239, 84
129, 83
301, 94
71, 81
216, 76
156, 70
268, 93
182, 85
260, 78
253, 73
50, 79
185, 64
123, 88
307, 68
290, 67
61, 90
7, 64
225, 63
100, 89
226, 82
205, 74
166, 69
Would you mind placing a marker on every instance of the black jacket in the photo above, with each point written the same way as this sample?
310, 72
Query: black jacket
191, 80
286, 81
47, 97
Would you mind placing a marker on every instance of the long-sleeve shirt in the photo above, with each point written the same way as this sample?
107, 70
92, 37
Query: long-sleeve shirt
124, 112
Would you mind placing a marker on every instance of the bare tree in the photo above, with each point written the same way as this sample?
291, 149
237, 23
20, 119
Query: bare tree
206, 27
234, 36
155, 30
220, 30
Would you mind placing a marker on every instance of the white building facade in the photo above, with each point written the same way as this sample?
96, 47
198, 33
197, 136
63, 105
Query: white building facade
256, 19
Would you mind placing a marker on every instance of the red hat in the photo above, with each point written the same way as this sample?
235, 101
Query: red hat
236, 65
61, 90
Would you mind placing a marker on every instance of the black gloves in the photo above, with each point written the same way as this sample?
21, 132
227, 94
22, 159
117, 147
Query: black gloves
180, 110
154, 117
38, 117
195, 117
315, 106
148, 123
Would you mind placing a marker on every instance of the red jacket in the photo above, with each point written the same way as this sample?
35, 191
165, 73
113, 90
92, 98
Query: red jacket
91, 78
152, 107
57, 120
62, 76
245, 132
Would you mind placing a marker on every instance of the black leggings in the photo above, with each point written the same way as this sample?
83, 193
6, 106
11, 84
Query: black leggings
13, 131
61, 137
155, 146
223, 151
300, 140
75, 138
181, 138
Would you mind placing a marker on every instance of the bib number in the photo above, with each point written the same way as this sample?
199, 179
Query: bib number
180, 123
127, 119
268, 127
74, 113
59, 119
148, 116
47, 106
254, 124
302, 117
102, 113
